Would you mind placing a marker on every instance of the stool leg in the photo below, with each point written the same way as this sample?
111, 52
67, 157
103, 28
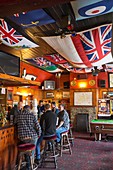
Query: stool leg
61, 145
53, 148
44, 155
69, 144
31, 162
19, 162
71, 136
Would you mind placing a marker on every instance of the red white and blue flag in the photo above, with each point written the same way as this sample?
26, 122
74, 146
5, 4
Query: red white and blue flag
90, 8
55, 58
44, 64
12, 38
86, 49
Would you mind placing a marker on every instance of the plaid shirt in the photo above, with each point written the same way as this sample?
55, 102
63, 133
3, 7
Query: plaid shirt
27, 125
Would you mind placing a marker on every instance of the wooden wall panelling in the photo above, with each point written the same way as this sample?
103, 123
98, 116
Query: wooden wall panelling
8, 149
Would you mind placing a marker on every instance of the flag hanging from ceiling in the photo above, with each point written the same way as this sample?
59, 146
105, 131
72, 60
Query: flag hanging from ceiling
44, 64
32, 18
90, 8
12, 38
86, 49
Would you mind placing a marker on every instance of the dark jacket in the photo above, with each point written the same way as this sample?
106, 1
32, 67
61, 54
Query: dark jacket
48, 123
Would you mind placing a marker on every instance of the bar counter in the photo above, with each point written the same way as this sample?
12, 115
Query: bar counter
8, 147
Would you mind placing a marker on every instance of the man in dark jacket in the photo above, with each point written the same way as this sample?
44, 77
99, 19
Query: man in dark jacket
48, 126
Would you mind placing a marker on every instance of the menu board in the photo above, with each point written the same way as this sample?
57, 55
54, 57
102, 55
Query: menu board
83, 98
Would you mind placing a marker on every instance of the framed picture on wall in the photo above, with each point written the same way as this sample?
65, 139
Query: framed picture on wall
49, 95
9, 95
110, 80
83, 98
66, 94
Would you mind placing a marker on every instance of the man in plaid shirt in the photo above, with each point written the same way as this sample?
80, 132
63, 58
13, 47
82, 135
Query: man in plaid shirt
28, 129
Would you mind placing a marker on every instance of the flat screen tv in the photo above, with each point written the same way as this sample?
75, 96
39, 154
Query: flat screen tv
9, 64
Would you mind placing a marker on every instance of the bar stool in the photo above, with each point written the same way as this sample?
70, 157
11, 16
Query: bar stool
26, 149
47, 155
65, 143
71, 138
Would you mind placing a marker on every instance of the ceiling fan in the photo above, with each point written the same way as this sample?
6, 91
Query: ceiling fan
95, 71
68, 29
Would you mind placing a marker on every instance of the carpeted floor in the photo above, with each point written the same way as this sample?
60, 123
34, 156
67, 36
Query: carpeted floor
88, 154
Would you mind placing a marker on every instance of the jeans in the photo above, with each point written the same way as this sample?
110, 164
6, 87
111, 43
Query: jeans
27, 158
59, 131
40, 139
38, 147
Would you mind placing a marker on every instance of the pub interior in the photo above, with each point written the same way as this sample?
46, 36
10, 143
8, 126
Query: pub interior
45, 54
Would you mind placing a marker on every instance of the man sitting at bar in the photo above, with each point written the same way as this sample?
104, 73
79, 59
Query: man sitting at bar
63, 122
48, 125
28, 129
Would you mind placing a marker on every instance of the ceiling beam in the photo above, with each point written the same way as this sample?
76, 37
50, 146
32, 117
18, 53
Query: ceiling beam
8, 8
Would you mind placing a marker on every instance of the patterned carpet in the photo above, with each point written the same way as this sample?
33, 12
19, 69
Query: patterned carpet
88, 154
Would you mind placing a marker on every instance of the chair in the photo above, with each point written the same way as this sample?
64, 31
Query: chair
65, 143
25, 149
47, 155
71, 138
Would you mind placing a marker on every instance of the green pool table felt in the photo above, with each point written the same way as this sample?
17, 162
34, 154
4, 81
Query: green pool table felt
102, 121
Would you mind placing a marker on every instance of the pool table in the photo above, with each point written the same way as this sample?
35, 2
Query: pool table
101, 126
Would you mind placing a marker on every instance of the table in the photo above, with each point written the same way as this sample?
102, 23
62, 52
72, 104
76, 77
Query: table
101, 126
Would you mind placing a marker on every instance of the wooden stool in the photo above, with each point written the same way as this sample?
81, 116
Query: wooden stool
25, 149
71, 139
49, 154
65, 143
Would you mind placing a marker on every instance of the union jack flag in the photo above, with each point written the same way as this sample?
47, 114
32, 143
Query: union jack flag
12, 38
40, 61
96, 44
86, 49
55, 58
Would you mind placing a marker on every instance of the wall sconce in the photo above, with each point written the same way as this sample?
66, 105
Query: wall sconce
82, 84
58, 75
58, 95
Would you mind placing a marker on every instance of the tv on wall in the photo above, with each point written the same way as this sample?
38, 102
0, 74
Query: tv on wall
9, 64
49, 85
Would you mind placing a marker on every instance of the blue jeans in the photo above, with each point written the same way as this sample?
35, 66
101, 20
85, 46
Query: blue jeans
59, 131
27, 158
40, 139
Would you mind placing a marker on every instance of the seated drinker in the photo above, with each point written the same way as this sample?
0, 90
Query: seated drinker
48, 126
63, 122
28, 129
